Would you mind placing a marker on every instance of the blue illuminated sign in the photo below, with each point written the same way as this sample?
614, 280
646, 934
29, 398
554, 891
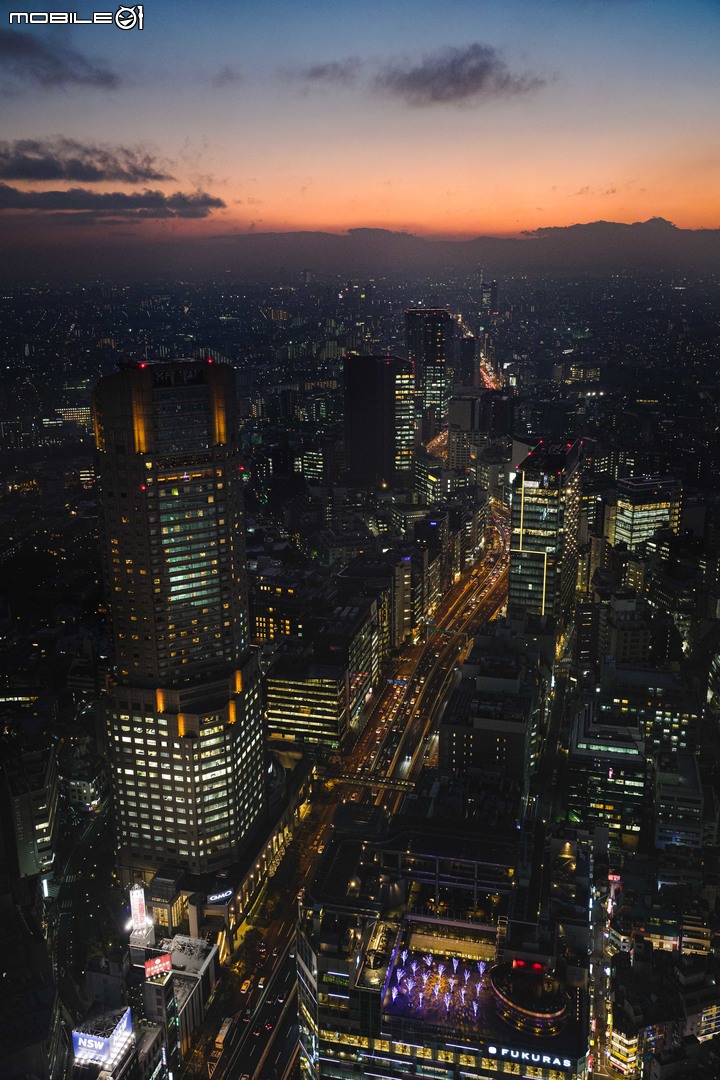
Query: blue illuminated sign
100, 1047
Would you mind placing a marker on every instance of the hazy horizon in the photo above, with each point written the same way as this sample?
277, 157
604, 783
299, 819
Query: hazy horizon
444, 119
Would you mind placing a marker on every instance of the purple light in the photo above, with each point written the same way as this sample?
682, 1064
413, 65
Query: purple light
475, 1007
452, 982
428, 959
462, 995
455, 964
466, 973
441, 968
394, 992
404, 955
414, 966
436, 989
446, 999
411, 985
399, 974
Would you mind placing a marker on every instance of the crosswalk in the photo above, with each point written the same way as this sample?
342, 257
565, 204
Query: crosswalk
69, 878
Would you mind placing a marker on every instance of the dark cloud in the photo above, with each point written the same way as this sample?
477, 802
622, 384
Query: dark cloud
135, 204
337, 72
28, 58
66, 159
226, 76
453, 76
587, 190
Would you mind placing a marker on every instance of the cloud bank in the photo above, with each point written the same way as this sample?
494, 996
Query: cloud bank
463, 75
85, 163
115, 204
30, 60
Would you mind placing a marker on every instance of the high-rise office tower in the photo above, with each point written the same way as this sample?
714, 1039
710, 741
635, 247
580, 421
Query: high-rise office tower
185, 724
545, 527
488, 297
429, 338
495, 413
643, 505
379, 418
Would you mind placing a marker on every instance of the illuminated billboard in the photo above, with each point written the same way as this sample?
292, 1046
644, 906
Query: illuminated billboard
222, 897
137, 907
157, 965
103, 1041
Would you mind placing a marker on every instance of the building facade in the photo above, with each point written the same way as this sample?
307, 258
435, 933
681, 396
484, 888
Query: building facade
185, 723
379, 418
545, 530
643, 505
429, 339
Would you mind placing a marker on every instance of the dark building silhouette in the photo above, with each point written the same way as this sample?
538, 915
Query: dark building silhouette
429, 338
379, 418
495, 413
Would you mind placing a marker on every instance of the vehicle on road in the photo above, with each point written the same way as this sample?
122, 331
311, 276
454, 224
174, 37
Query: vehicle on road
224, 1032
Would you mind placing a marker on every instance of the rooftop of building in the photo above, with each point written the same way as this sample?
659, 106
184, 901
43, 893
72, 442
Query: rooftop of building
481, 798
188, 954
303, 669
648, 485
439, 977
29, 771
679, 771
183, 987
549, 456
470, 707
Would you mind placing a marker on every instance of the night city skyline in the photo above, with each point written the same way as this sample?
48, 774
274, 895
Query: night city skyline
360, 541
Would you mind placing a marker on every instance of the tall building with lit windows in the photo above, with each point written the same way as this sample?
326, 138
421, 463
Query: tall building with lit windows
545, 527
642, 506
429, 339
185, 723
379, 418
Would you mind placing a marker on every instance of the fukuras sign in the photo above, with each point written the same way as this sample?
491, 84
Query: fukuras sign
530, 1057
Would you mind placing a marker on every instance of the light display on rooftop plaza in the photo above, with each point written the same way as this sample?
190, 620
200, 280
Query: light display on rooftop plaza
443, 990
436, 988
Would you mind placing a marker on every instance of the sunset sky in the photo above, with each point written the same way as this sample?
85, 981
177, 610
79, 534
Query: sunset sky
440, 117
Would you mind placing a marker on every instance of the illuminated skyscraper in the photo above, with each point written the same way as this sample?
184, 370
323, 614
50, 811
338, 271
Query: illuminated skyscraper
429, 338
379, 418
185, 729
488, 297
643, 505
545, 525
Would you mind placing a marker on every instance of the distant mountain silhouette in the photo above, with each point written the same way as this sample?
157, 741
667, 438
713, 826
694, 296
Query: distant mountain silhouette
603, 246
599, 245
